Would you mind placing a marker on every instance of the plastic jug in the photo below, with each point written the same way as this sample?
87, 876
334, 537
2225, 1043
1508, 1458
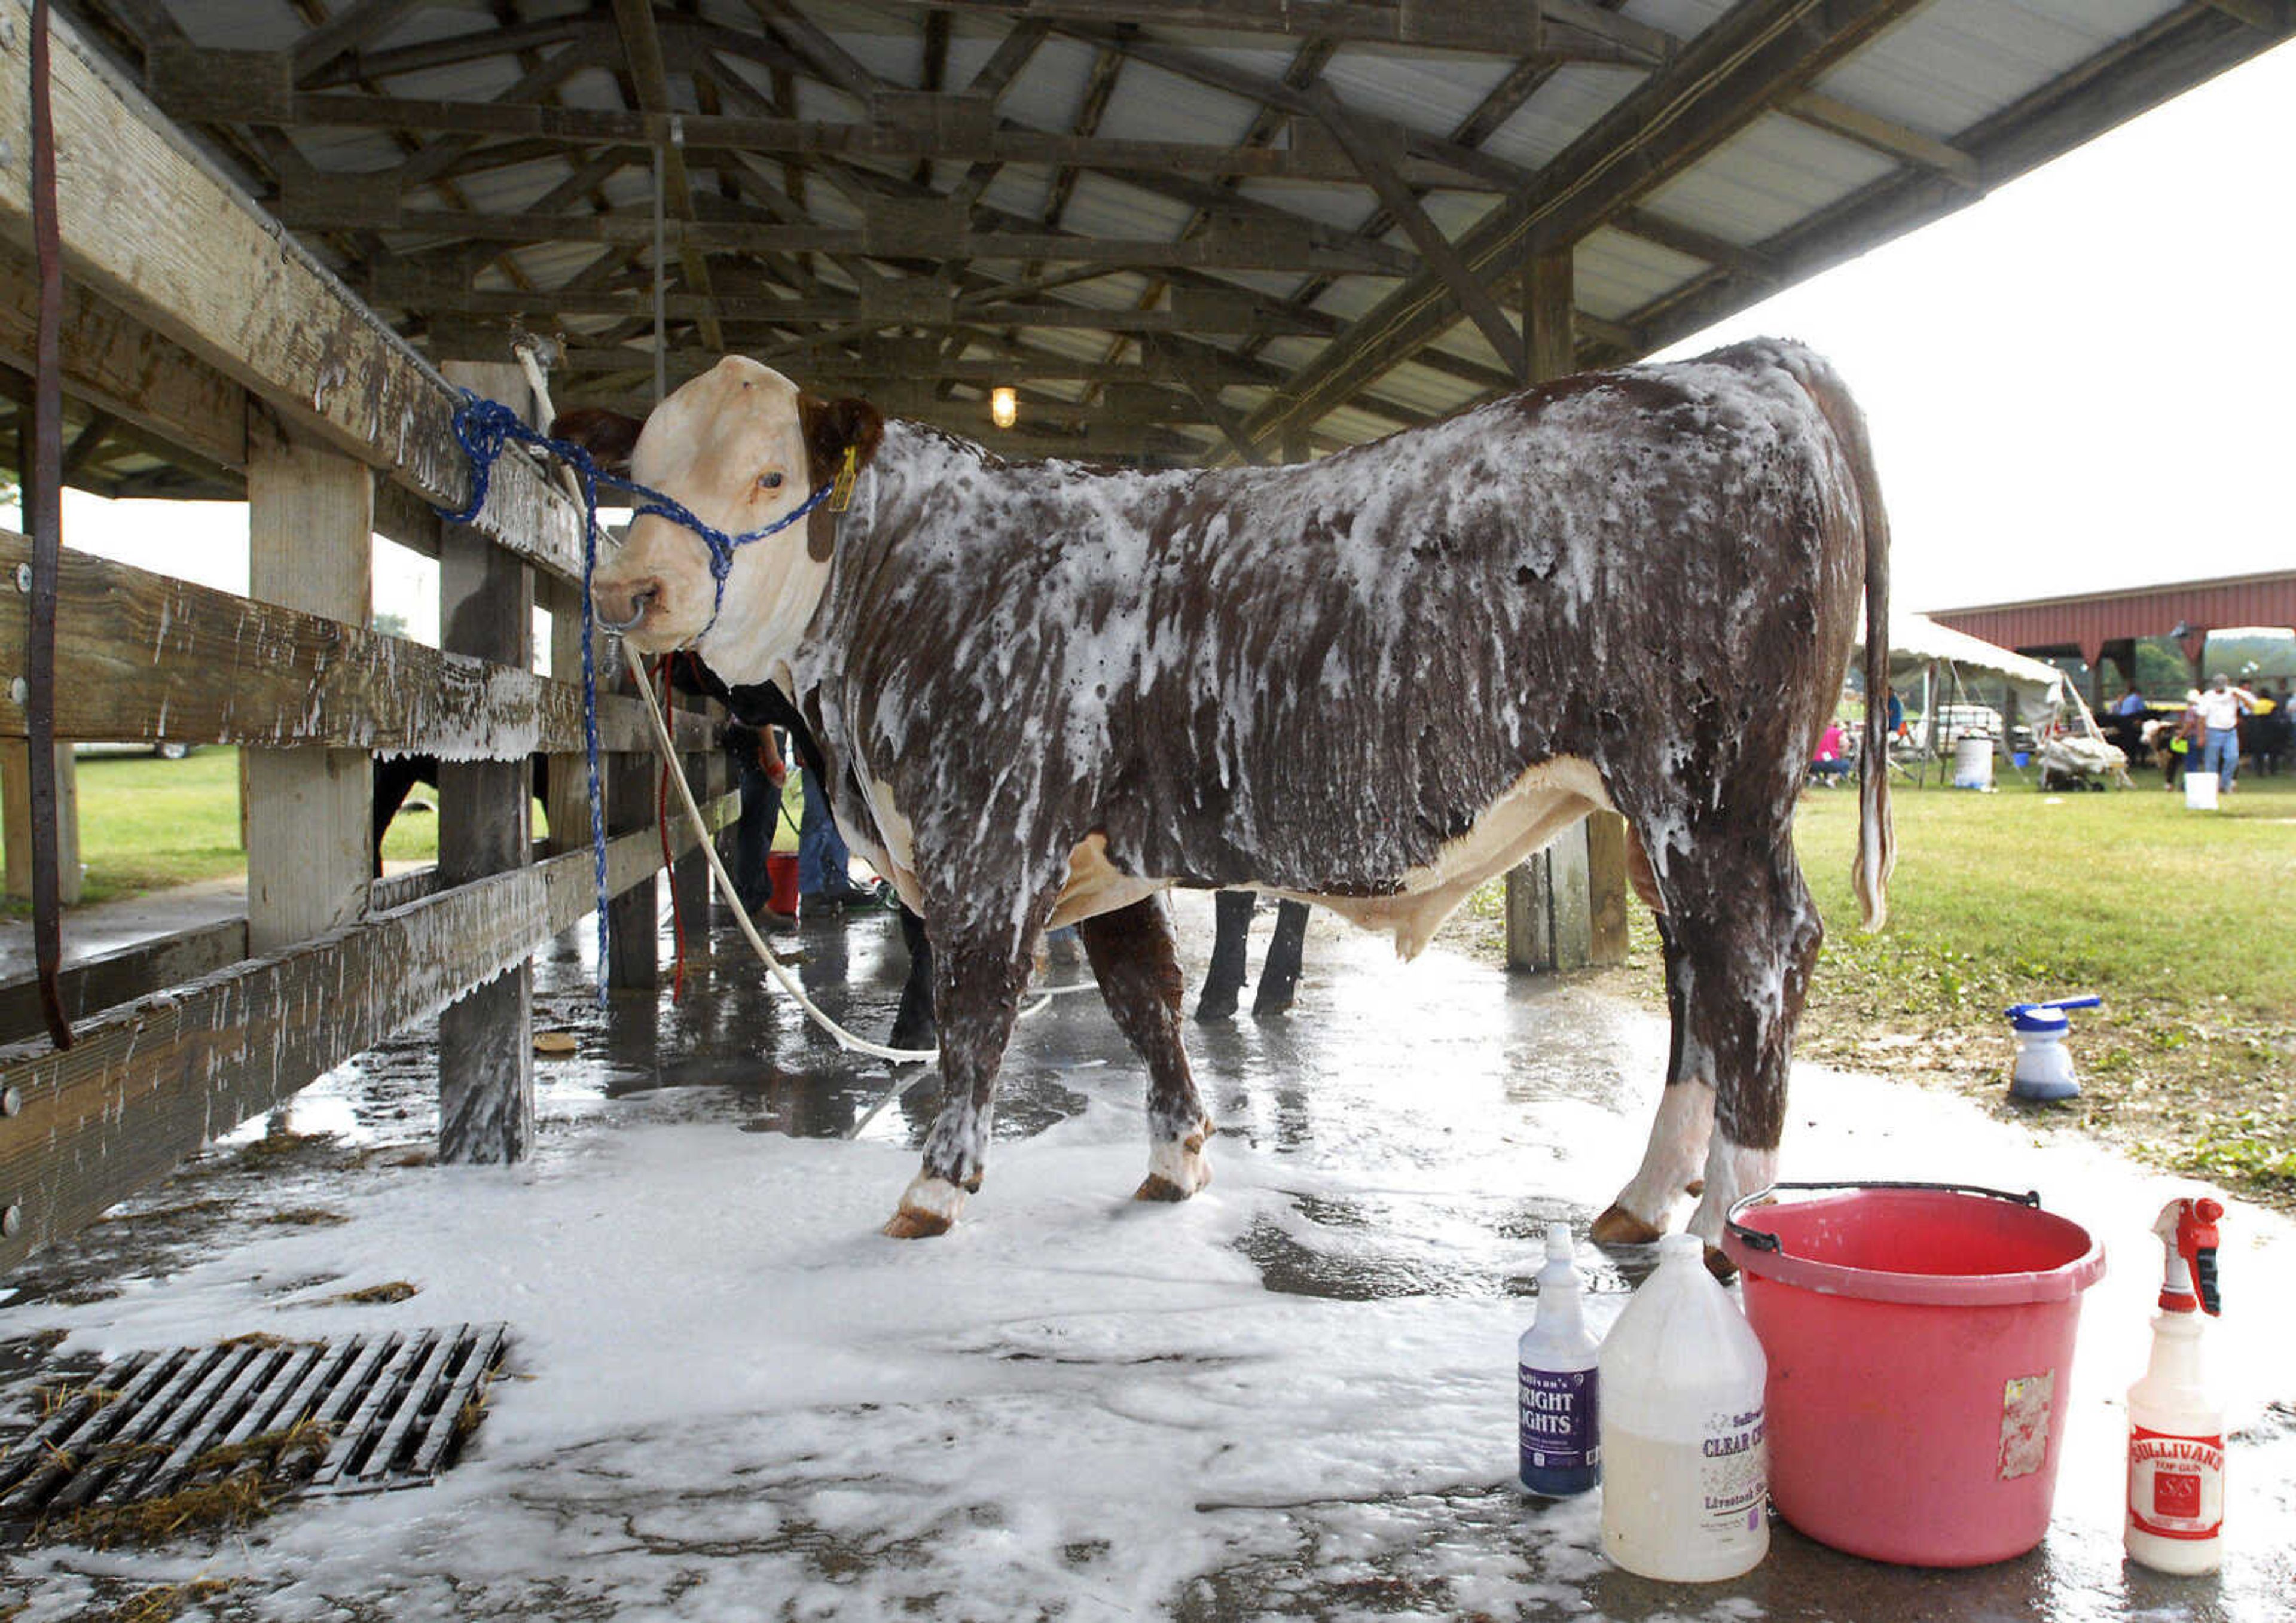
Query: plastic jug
1558, 1429
1685, 1469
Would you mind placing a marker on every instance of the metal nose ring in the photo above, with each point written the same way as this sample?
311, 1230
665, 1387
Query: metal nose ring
644, 602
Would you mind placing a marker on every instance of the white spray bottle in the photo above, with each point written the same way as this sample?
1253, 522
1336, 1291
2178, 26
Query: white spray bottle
1558, 1426
2176, 1422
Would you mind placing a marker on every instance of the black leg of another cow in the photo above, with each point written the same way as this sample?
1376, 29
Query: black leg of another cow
913, 1026
1223, 981
1279, 973
1134, 959
980, 970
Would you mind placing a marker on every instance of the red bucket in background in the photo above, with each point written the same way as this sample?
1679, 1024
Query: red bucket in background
1920, 1340
781, 874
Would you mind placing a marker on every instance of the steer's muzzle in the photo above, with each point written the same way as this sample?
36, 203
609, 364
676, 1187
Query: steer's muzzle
626, 606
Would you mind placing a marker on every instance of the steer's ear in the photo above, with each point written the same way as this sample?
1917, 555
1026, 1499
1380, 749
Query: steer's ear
609, 436
831, 427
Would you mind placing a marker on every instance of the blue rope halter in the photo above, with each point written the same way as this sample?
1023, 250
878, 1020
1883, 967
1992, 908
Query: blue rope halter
483, 427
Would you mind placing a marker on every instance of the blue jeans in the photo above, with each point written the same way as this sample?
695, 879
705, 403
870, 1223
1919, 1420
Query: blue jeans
753, 835
2221, 755
822, 862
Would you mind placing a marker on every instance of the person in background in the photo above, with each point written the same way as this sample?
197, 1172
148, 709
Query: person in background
2130, 703
2270, 730
757, 760
1830, 764
824, 867
2184, 741
2220, 709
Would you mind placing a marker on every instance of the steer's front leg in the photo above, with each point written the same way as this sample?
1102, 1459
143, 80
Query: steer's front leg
979, 973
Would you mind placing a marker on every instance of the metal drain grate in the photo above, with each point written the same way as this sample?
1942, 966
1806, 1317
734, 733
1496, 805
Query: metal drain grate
386, 1408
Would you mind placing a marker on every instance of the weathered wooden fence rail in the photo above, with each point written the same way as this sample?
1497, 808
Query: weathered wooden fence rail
195, 318
146, 1084
140, 655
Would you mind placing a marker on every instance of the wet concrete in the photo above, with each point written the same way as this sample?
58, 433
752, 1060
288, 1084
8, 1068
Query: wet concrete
1398, 1142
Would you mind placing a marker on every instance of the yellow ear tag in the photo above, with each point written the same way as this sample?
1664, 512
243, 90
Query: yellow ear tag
840, 494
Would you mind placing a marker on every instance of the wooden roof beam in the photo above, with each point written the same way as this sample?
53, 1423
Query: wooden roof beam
346, 31
963, 135
1566, 30
650, 75
1370, 154
2178, 50
400, 289
1756, 57
324, 364
479, 44
1891, 139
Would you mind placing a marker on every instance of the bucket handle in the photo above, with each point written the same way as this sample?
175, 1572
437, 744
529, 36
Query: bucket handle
1756, 1240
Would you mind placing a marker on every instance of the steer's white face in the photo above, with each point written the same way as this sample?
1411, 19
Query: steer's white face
730, 445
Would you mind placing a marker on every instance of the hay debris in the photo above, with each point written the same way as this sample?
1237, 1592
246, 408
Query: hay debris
257, 1476
158, 1605
367, 1295
308, 1217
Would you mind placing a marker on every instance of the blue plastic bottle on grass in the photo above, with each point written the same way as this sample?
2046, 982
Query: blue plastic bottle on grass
1557, 1419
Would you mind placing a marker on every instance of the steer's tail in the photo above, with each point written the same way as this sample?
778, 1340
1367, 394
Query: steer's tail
1877, 839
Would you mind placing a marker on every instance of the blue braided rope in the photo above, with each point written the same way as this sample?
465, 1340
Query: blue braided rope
483, 427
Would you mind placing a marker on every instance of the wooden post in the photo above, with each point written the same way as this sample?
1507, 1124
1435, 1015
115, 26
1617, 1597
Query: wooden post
1566, 908
16, 758
567, 805
633, 918
690, 877
16, 827
310, 543
486, 1039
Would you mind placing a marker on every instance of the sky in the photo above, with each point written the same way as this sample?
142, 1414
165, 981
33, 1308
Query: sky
2080, 382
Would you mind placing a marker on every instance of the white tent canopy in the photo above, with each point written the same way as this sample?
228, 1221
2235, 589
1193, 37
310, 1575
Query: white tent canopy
1917, 643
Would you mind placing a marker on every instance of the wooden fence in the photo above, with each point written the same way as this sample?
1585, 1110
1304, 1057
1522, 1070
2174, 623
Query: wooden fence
195, 318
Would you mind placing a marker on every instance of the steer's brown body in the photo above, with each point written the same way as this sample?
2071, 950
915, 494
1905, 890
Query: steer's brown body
1372, 682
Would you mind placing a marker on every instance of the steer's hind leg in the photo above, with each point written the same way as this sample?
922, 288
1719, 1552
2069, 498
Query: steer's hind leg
1741, 937
1132, 957
980, 968
1679, 1132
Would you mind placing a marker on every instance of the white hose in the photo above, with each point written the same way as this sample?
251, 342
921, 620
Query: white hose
845, 1039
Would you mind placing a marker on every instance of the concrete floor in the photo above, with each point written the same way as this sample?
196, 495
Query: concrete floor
1388, 1156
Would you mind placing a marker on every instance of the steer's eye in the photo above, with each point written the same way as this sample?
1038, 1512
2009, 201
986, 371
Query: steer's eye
769, 481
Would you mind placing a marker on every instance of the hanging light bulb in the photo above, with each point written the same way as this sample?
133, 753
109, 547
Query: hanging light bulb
1005, 406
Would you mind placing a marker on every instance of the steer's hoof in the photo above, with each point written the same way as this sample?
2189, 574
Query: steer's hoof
1176, 1170
1696, 1187
928, 1207
1619, 1226
1217, 1002
1720, 1266
910, 1224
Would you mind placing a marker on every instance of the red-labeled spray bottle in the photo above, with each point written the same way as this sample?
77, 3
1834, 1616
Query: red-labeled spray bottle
2176, 1422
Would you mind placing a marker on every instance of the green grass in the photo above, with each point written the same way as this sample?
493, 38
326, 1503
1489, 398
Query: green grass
2014, 895
2178, 918
146, 824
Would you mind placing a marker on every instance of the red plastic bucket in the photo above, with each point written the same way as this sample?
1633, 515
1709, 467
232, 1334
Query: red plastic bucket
781, 874
1920, 1338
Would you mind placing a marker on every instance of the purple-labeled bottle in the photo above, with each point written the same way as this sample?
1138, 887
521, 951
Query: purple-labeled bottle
1557, 1388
